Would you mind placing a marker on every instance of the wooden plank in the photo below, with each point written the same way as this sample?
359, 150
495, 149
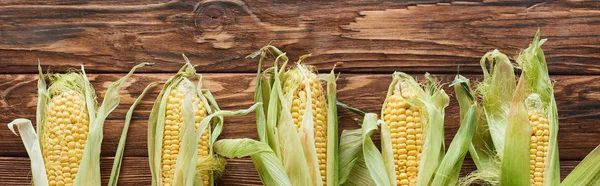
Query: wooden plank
135, 171
367, 36
577, 98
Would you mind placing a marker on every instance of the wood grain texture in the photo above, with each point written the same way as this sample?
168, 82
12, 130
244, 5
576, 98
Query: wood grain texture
371, 38
578, 99
412, 36
15, 171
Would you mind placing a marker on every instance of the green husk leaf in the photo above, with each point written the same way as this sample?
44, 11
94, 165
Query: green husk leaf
373, 158
496, 92
296, 150
332, 131
269, 168
273, 112
482, 147
449, 169
351, 109
515, 161
359, 175
268, 165
214, 165
278, 130
360, 159
285, 141
261, 95
116, 168
350, 153
587, 172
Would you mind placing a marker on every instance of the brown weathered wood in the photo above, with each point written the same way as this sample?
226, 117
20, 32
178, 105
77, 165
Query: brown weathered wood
135, 171
367, 36
577, 98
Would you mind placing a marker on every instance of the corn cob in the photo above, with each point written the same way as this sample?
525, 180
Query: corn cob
412, 138
66, 148
64, 136
404, 122
319, 111
301, 121
542, 117
523, 122
172, 135
172, 117
538, 147
413, 132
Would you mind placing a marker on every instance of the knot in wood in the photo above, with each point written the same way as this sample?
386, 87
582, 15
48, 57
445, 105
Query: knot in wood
213, 16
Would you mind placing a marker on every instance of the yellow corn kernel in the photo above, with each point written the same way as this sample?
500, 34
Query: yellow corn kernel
538, 147
64, 136
172, 136
319, 112
404, 122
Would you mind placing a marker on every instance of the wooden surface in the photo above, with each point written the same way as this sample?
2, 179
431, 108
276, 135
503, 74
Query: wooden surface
372, 39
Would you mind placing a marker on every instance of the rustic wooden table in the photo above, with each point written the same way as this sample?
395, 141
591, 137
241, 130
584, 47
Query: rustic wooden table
371, 39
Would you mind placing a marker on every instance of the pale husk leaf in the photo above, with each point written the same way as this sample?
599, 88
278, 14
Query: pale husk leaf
32, 145
90, 164
116, 168
269, 167
386, 138
185, 167
496, 92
